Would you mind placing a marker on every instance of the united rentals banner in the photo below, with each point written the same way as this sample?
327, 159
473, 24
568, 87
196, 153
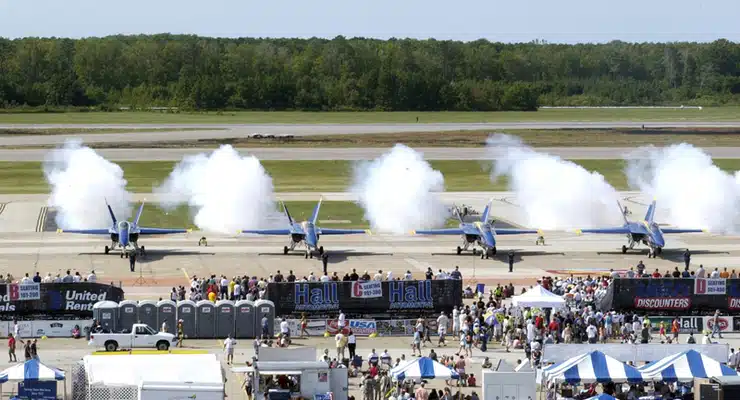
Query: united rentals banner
54, 300
327, 298
677, 295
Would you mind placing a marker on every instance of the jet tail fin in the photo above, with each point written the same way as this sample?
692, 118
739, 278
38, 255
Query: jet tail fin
650, 215
315, 215
458, 213
287, 213
112, 214
486, 212
138, 214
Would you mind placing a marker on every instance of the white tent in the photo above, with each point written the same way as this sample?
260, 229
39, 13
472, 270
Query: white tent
31, 370
538, 297
161, 369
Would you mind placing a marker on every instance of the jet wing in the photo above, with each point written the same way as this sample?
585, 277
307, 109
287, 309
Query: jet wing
324, 231
269, 231
447, 231
517, 231
86, 231
617, 231
675, 230
159, 231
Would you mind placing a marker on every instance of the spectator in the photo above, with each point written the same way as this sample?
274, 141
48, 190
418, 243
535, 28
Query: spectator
37, 277
724, 274
700, 273
715, 274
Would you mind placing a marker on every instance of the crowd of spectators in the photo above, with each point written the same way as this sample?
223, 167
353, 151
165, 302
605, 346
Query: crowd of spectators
68, 277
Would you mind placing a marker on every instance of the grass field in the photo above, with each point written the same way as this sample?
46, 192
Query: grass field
287, 117
310, 176
704, 137
334, 214
83, 131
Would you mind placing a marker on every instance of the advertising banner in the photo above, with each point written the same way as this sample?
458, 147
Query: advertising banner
367, 290
710, 286
725, 324
398, 297
54, 300
37, 390
360, 327
677, 295
686, 324
48, 328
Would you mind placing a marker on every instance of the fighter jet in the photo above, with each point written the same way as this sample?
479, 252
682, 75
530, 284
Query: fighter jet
646, 231
124, 234
480, 233
305, 233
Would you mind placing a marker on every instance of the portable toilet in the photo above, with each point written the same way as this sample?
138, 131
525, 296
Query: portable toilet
225, 318
127, 315
265, 308
244, 320
106, 313
167, 311
148, 313
205, 320
186, 312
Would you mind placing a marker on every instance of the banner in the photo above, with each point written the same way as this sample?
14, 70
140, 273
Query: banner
677, 296
37, 390
399, 297
54, 300
367, 290
710, 286
360, 327
686, 324
49, 328
725, 324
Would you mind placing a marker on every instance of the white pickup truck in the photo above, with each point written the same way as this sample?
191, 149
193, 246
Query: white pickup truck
141, 336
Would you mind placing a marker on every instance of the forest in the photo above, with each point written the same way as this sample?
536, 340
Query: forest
197, 73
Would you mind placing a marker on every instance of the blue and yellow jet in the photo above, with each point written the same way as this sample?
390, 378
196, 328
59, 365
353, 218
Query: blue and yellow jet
306, 232
125, 234
480, 233
646, 231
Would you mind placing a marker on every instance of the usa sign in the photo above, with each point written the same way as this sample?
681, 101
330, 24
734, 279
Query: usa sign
367, 290
360, 327
710, 286
725, 324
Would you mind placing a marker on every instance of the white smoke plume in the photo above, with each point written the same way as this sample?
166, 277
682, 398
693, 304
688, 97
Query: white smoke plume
691, 192
226, 191
397, 191
81, 182
553, 193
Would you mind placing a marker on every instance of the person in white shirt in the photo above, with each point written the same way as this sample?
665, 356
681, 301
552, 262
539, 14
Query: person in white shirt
340, 321
385, 358
407, 276
530, 331
324, 278
591, 333
284, 328
442, 322
237, 291
455, 322
26, 280
311, 277
378, 276
701, 272
715, 274
706, 339
389, 276
352, 344
229, 349
372, 357
76, 278
340, 343
92, 277
47, 278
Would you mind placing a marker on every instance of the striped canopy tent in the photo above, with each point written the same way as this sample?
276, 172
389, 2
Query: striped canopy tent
602, 396
423, 368
31, 370
684, 367
593, 367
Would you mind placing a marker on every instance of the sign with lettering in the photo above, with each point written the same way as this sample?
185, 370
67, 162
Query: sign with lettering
676, 295
710, 286
328, 298
367, 290
54, 300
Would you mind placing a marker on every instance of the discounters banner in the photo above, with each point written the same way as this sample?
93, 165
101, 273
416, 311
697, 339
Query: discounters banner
677, 295
54, 300
398, 297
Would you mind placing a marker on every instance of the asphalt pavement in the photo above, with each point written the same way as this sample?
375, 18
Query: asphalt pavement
358, 153
242, 131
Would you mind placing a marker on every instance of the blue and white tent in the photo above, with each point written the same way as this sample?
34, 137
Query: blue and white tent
31, 370
423, 368
602, 396
684, 367
591, 367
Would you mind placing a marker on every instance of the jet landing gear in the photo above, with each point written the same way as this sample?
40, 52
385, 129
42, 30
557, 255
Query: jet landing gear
654, 252
488, 253
107, 249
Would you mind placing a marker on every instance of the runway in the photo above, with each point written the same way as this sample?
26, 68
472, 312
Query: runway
283, 153
244, 130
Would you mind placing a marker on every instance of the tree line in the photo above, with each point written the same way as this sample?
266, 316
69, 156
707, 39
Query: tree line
198, 73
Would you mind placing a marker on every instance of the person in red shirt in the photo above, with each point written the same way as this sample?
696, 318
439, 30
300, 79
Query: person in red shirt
11, 348
657, 274
373, 370
471, 380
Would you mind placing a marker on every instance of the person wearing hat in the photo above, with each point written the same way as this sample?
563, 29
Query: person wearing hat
180, 333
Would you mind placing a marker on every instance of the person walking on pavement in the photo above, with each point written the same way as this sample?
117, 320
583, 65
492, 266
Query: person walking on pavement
229, 344
716, 329
511, 261
180, 333
687, 258
11, 348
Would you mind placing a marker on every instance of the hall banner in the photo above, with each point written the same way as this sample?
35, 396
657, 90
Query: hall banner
397, 297
54, 300
676, 296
